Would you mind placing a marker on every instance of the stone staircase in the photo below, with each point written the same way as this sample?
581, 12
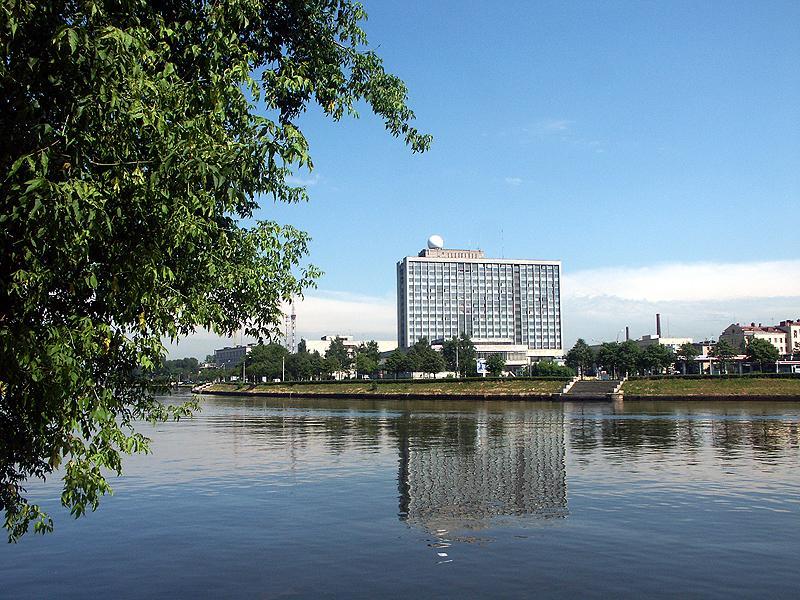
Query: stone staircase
592, 389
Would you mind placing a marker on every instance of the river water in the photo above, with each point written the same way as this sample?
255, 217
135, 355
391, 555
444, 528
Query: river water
273, 498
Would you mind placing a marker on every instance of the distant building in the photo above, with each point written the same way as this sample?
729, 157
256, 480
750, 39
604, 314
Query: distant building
740, 336
673, 343
228, 357
704, 348
321, 345
792, 330
506, 306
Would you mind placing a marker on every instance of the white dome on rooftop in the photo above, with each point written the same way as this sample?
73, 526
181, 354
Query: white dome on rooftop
435, 241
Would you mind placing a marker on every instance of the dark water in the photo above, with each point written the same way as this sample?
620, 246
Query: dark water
281, 499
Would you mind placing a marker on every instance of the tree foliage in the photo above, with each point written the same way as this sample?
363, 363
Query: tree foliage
399, 362
549, 368
655, 358
495, 364
186, 368
137, 139
580, 356
686, 353
723, 352
460, 350
762, 352
608, 356
338, 356
266, 360
424, 358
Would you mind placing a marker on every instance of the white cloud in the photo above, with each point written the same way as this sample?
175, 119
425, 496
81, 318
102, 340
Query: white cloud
515, 181
695, 300
303, 181
688, 282
367, 317
319, 313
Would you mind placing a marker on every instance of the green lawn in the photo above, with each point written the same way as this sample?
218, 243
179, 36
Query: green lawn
744, 386
505, 387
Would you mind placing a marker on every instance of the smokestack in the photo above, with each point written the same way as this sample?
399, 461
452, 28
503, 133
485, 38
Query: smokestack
627, 333
658, 324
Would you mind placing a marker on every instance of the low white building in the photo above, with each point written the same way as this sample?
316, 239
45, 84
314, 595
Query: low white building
322, 344
673, 343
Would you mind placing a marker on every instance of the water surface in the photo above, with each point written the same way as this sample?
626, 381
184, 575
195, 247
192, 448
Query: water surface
274, 498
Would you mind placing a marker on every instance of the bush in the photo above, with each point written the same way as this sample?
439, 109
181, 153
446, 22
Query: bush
728, 376
548, 368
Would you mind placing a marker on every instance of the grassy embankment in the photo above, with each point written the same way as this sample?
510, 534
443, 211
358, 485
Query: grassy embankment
506, 387
713, 386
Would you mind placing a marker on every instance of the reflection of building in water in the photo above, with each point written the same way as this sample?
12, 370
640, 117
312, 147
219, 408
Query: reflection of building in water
493, 468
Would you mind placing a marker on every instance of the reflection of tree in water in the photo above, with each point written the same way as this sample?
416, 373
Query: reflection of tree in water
626, 436
458, 472
633, 434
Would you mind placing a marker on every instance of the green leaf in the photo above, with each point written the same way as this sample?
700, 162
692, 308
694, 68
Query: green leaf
72, 37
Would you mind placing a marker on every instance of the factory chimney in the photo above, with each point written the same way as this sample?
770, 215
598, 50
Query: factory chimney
627, 333
658, 324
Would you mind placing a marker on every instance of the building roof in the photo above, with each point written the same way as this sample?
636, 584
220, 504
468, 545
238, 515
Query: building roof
761, 329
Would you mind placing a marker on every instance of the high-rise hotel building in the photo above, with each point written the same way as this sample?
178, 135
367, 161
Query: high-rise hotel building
507, 305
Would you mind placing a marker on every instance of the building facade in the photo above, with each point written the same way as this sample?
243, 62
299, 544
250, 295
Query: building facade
792, 330
230, 356
497, 302
740, 336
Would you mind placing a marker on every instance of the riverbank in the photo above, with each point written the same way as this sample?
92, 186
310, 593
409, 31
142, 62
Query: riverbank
533, 389
672, 388
713, 387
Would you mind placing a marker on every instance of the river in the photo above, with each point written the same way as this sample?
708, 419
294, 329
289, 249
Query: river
274, 498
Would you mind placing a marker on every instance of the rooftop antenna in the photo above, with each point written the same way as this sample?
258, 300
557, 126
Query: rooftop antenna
502, 245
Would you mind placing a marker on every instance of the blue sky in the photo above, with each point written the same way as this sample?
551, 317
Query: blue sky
611, 135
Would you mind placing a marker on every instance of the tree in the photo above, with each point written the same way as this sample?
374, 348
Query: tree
462, 350
266, 360
580, 356
338, 355
686, 354
370, 350
180, 368
495, 364
431, 362
137, 140
317, 364
761, 351
298, 366
365, 364
548, 368
628, 357
399, 362
417, 352
608, 357
329, 367
723, 352
656, 358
